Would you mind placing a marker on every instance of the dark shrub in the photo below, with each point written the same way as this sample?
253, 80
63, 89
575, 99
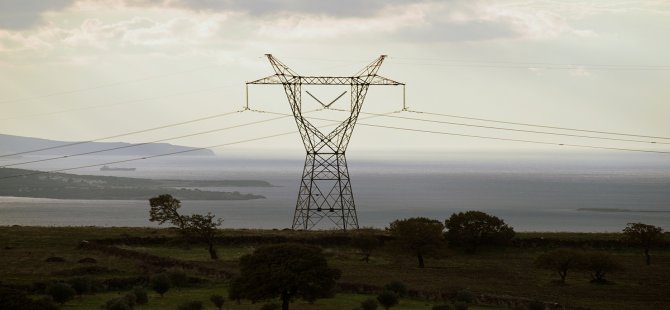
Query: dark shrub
536, 305
61, 292
161, 283
87, 260
387, 299
442, 307
396, 287
217, 300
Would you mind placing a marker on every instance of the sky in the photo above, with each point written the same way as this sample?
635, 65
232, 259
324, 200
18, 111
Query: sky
85, 69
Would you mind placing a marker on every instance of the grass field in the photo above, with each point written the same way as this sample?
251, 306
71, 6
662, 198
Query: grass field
493, 271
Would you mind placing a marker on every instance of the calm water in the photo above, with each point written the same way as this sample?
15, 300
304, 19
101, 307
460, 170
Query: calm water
530, 194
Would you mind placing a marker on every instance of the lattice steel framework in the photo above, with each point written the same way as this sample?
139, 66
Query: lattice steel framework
325, 188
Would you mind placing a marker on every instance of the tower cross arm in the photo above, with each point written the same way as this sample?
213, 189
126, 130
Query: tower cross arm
326, 80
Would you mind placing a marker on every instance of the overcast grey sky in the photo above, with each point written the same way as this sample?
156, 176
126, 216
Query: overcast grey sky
84, 69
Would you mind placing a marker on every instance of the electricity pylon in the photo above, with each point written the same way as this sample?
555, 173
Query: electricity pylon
325, 188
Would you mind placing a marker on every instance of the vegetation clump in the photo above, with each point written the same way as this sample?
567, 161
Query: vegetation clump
387, 299
286, 271
560, 261
61, 292
164, 208
217, 300
472, 229
419, 235
160, 283
644, 235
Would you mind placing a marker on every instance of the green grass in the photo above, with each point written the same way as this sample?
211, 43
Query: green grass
507, 272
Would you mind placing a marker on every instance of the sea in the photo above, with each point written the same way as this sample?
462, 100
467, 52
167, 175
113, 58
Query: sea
591, 192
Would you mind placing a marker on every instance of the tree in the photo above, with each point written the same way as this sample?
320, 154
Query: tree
365, 243
560, 260
164, 208
161, 283
419, 235
61, 292
217, 300
599, 264
287, 271
644, 235
204, 227
474, 228
387, 299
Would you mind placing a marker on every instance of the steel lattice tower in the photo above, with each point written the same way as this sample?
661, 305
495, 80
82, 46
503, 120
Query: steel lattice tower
325, 189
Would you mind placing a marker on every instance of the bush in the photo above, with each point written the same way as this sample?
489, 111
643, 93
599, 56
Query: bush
387, 299
369, 304
217, 300
396, 287
191, 305
141, 296
161, 283
442, 307
61, 292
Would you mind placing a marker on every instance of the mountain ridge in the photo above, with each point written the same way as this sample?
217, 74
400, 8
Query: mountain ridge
10, 144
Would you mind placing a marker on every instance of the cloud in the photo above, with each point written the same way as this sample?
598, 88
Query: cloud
23, 14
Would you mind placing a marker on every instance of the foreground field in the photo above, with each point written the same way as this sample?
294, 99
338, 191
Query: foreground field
501, 277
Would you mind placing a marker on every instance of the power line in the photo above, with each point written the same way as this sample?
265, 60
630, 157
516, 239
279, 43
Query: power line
485, 137
150, 156
514, 140
292, 132
143, 143
123, 134
540, 126
520, 64
283, 115
514, 129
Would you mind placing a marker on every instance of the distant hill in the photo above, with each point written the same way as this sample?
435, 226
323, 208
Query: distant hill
13, 144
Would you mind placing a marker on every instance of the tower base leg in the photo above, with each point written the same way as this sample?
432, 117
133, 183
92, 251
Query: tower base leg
325, 193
